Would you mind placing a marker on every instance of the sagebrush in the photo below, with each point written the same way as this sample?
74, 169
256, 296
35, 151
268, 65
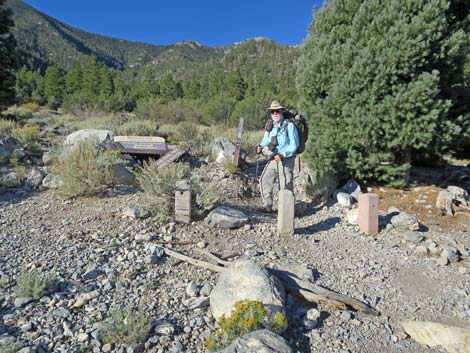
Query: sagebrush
31, 284
158, 187
81, 172
126, 326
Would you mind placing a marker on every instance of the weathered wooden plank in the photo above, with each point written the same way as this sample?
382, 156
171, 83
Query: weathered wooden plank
170, 157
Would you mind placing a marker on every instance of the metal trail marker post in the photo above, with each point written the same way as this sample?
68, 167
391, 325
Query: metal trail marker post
236, 155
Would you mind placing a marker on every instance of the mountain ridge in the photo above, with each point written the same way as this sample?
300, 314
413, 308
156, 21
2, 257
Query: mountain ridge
44, 40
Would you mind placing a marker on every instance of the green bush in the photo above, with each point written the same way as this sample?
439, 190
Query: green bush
137, 127
247, 316
31, 284
27, 136
126, 326
195, 140
7, 126
81, 172
378, 81
206, 192
158, 187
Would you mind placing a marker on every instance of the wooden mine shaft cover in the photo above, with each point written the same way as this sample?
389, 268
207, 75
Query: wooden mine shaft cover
141, 145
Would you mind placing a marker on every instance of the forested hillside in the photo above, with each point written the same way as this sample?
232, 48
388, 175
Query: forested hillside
44, 40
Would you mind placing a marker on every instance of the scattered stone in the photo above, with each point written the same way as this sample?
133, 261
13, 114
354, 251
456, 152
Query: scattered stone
192, 289
164, 328
226, 217
262, 341
344, 199
35, 177
20, 302
135, 212
10, 180
422, 250
414, 237
451, 255
404, 220
353, 216
453, 339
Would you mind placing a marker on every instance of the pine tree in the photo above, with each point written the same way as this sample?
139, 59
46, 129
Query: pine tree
73, 79
90, 74
106, 82
25, 85
8, 57
54, 86
375, 79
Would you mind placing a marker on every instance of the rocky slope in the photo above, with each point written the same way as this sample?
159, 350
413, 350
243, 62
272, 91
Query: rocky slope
102, 259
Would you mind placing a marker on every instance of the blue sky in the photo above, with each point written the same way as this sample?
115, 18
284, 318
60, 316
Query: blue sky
209, 22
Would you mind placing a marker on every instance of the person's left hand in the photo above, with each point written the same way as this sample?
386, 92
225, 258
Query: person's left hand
278, 157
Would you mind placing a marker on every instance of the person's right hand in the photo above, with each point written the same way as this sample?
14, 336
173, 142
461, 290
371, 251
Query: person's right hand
258, 149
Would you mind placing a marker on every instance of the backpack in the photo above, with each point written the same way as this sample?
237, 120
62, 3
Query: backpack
299, 122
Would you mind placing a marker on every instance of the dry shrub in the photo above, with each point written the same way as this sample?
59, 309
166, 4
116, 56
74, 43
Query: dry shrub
81, 172
32, 106
158, 187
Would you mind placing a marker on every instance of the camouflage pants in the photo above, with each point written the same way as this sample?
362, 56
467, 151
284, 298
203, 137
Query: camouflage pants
274, 171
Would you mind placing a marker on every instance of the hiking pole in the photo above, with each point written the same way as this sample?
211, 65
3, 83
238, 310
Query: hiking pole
256, 170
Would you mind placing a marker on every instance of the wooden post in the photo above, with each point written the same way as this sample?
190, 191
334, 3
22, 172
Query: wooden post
183, 201
285, 212
369, 213
236, 155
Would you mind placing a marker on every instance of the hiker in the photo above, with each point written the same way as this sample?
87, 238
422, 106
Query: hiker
279, 144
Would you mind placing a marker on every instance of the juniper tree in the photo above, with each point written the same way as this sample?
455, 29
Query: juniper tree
8, 57
378, 80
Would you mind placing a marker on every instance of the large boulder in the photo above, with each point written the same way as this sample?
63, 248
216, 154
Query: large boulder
35, 178
11, 180
460, 195
246, 280
261, 341
7, 146
226, 217
453, 339
404, 220
223, 149
100, 137
50, 181
445, 203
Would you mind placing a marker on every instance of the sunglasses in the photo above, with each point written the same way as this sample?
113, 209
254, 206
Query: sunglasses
275, 111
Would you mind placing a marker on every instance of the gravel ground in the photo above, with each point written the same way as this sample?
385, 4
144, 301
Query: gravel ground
107, 260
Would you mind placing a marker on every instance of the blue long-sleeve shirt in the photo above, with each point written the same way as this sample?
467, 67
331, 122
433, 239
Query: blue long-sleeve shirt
287, 139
